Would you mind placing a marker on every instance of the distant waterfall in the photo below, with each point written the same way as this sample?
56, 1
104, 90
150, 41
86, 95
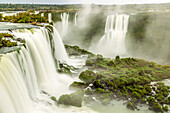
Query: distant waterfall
42, 14
24, 73
75, 20
49, 17
113, 41
64, 19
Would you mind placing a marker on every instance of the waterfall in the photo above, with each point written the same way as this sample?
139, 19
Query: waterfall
49, 17
27, 72
14, 94
60, 51
64, 19
75, 23
113, 41
42, 14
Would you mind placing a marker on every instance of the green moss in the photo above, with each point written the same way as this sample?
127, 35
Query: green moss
65, 68
156, 107
134, 100
136, 95
78, 85
160, 97
151, 100
125, 78
88, 76
99, 90
5, 40
106, 101
53, 98
130, 106
165, 108
88, 91
73, 99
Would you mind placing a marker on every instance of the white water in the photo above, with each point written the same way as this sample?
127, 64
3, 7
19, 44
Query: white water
75, 23
64, 19
113, 41
42, 14
24, 74
49, 17
60, 51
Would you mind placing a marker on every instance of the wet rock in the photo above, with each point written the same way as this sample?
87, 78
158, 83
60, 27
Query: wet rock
73, 99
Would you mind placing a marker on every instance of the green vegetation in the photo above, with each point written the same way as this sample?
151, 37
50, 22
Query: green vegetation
6, 40
25, 17
65, 68
35, 7
125, 78
75, 50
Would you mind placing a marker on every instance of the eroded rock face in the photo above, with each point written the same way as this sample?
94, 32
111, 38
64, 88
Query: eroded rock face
73, 99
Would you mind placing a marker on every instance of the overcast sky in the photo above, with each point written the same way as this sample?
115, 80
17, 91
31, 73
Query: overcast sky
85, 1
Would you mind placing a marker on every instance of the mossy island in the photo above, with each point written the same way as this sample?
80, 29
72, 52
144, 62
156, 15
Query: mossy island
135, 81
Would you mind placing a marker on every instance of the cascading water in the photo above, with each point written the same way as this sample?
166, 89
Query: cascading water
14, 94
60, 51
113, 41
27, 72
42, 14
75, 23
49, 17
38, 46
64, 19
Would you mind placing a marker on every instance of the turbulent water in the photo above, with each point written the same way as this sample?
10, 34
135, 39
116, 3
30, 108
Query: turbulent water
24, 74
113, 41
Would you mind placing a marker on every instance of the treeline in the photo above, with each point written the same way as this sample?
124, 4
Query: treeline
25, 7
25, 17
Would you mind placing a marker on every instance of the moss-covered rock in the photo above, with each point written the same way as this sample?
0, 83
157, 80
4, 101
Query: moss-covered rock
88, 76
136, 95
78, 85
165, 108
126, 79
53, 98
88, 99
156, 107
88, 91
73, 99
130, 106
106, 101
65, 68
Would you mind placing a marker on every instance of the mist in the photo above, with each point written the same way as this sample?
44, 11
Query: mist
152, 43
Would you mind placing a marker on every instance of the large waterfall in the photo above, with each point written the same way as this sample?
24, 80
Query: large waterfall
64, 19
24, 74
113, 41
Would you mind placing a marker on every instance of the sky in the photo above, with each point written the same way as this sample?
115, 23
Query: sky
85, 1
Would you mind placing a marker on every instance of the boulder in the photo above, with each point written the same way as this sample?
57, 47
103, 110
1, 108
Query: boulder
73, 99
